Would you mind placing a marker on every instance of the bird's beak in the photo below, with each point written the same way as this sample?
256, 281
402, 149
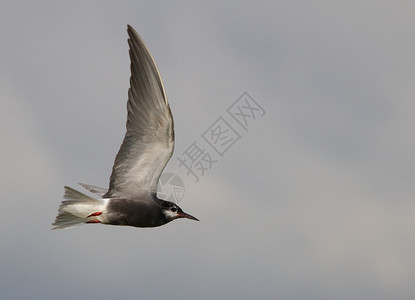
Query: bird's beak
185, 215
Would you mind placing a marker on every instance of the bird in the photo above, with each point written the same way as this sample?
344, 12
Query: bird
131, 198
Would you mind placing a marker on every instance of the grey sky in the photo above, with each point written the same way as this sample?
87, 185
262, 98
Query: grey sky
316, 201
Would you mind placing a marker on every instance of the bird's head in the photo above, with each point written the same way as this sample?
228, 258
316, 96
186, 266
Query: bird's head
172, 211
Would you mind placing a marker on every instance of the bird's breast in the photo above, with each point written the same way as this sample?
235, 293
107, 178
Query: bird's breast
138, 213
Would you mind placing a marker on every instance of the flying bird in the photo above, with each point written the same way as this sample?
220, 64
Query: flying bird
131, 198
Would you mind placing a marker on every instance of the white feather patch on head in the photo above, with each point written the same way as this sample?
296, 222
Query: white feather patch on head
169, 214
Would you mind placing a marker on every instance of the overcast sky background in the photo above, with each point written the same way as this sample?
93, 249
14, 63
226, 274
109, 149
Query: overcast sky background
316, 201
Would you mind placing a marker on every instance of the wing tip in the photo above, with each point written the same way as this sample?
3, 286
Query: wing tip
132, 33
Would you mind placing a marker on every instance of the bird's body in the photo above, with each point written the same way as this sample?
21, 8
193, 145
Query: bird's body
148, 145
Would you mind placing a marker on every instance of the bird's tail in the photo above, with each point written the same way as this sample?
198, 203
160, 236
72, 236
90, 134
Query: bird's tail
78, 209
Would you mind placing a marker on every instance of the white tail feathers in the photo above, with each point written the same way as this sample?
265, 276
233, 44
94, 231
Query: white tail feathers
77, 209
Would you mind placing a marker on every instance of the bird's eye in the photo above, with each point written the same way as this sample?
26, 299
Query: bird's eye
173, 209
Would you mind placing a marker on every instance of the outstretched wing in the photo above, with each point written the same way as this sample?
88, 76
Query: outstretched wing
149, 141
95, 189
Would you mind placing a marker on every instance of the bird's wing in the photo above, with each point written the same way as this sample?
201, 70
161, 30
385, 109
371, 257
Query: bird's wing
94, 189
149, 141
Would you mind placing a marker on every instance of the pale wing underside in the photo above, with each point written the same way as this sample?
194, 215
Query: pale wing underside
149, 141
